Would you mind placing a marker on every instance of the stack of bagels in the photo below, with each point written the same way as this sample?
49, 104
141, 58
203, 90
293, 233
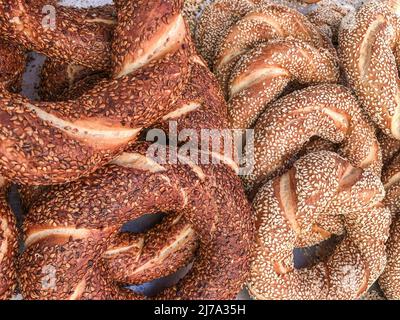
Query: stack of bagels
314, 81
307, 76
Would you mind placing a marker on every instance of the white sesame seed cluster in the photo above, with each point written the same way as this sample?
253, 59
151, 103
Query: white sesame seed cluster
264, 53
289, 207
256, 48
389, 280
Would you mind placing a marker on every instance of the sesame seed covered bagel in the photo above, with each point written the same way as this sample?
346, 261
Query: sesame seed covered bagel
291, 205
390, 278
327, 111
200, 115
368, 42
8, 246
47, 143
209, 198
262, 74
82, 36
136, 257
216, 19
263, 23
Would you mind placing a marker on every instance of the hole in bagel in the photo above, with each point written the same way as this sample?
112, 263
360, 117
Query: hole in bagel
156, 286
309, 256
152, 288
144, 223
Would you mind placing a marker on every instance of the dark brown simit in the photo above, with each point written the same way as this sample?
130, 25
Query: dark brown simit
73, 227
47, 143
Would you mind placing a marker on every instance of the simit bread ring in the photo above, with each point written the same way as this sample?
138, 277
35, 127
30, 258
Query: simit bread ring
291, 205
252, 79
196, 116
328, 111
170, 246
198, 113
82, 36
262, 24
210, 197
390, 279
368, 50
263, 73
137, 257
46, 143
8, 246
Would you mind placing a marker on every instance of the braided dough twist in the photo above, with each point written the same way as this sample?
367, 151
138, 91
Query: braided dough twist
81, 36
291, 205
137, 257
263, 74
262, 24
195, 117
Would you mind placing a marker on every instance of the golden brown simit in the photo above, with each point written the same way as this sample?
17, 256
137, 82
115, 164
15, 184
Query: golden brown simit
46, 143
263, 74
327, 111
390, 279
368, 45
292, 206
258, 50
262, 24
82, 217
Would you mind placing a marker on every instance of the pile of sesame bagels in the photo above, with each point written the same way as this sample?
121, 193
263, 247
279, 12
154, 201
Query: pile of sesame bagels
316, 81
85, 172
316, 84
